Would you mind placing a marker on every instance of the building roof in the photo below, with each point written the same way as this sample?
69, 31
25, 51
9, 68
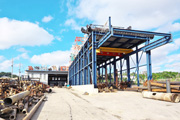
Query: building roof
4, 76
47, 72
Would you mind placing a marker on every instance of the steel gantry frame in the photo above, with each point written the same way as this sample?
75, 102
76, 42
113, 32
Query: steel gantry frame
86, 65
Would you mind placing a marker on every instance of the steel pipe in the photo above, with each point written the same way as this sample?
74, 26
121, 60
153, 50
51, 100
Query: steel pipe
25, 110
13, 114
49, 90
12, 99
177, 87
20, 106
31, 113
170, 97
6, 110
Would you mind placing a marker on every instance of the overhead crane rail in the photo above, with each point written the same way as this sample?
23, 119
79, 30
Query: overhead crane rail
107, 46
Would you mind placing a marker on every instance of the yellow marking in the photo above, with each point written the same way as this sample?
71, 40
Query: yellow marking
115, 50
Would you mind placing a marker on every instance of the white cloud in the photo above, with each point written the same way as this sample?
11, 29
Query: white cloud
47, 18
24, 56
5, 65
1, 58
161, 15
23, 33
22, 50
160, 55
54, 58
51, 30
140, 14
63, 30
58, 38
161, 58
37, 22
170, 27
173, 67
72, 23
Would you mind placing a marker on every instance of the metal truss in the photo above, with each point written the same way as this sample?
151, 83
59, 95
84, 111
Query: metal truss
84, 69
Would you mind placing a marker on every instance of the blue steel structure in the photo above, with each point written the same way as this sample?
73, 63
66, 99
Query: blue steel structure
87, 65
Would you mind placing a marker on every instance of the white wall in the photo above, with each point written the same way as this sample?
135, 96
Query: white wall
85, 88
43, 76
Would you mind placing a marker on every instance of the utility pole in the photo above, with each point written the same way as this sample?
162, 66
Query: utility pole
19, 71
12, 69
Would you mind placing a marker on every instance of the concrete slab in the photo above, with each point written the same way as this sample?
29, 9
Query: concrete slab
67, 104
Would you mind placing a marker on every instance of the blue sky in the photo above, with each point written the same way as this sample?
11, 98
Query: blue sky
41, 32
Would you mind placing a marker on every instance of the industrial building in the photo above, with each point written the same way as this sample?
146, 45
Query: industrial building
108, 45
51, 76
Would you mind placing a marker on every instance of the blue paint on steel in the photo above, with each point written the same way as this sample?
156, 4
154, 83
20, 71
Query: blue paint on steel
114, 63
74, 76
105, 66
110, 71
121, 65
94, 66
80, 70
143, 32
88, 52
148, 61
128, 69
102, 75
104, 39
137, 66
85, 69
109, 23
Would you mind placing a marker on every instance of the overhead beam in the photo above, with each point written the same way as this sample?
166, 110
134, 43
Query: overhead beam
128, 41
142, 32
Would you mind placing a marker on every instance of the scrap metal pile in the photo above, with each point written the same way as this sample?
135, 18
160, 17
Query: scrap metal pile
160, 86
104, 29
108, 87
20, 99
161, 90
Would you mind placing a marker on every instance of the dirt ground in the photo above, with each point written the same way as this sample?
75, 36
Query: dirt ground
64, 104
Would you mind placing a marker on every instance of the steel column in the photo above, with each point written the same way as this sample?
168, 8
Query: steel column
81, 72
121, 69
89, 73
102, 76
85, 80
137, 65
148, 60
114, 63
128, 69
98, 75
94, 64
106, 78
110, 71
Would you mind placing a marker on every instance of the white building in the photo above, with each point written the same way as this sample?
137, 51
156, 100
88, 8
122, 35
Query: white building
47, 77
